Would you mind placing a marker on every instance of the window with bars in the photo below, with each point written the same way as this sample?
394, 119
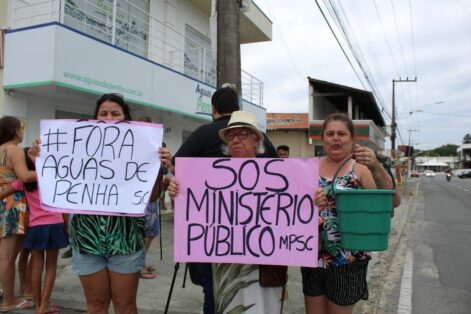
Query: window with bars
198, 61
96, 18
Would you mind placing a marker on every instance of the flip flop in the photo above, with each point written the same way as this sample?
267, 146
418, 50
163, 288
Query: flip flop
25, 304
147, 274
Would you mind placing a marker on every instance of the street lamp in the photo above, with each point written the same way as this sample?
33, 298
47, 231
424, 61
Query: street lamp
421, 110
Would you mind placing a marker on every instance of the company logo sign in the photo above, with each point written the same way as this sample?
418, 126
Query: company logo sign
203, 102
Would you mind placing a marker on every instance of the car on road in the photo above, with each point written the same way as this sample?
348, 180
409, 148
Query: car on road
414, 174
464, 174
429, 173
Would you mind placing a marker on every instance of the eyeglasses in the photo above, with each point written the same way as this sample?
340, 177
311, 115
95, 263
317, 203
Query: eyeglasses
242, 135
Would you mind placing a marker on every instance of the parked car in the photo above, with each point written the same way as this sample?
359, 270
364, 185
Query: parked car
429, 173
414, 174
464, 174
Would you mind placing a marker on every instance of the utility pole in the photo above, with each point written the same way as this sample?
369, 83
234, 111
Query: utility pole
393, 119
228, 43
393, 127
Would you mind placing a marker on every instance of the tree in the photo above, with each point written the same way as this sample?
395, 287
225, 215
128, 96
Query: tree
467, 139
444, 150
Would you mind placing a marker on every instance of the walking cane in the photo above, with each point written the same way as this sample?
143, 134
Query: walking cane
177, 265
184, 276
160, 225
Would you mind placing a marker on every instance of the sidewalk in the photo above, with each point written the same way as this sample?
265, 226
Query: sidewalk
152, 293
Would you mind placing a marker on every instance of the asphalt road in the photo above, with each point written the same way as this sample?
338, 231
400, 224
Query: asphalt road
440, 246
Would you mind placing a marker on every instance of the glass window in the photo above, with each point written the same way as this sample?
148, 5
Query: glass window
198, 61
95, 17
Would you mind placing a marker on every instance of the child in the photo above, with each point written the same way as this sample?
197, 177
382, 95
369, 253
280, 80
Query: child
46, 234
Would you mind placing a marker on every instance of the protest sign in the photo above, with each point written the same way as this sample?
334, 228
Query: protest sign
247, 211
98, 167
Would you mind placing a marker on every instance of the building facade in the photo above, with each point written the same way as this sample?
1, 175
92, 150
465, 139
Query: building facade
463, 157
291, 129
59, 55
326, 98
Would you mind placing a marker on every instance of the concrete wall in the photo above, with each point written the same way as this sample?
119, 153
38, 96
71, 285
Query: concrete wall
3, 22
297, 141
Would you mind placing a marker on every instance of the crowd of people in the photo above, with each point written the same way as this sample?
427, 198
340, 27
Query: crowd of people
109, 252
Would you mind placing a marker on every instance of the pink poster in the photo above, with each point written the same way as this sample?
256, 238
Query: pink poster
247, 211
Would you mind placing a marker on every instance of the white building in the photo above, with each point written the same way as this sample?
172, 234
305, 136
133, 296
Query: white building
57, 56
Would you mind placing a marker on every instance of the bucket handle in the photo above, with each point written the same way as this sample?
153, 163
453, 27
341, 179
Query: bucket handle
385, 165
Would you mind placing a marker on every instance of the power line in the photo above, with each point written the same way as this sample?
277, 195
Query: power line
412, 37
355, 50
398, 37
340, 45
285, 46
385, 37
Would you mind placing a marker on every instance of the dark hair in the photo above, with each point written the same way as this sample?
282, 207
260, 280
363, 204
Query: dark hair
342, 117
31, 186
8, 127
283, 147
144, 119
116, 98
225, 100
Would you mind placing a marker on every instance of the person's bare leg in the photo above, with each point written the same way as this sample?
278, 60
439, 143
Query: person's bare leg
24, 273
49, 279
315, 305
333, 308
37, 257
124, 292
9, 249
97, 290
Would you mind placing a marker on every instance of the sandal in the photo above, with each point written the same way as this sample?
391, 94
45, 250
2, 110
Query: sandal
145, 274
24, 304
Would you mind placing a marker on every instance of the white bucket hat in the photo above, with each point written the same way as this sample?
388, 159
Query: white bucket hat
241, 119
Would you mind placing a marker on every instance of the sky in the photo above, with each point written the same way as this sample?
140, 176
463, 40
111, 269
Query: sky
394, 39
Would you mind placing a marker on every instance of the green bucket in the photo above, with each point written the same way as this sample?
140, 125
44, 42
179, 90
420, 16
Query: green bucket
364, 217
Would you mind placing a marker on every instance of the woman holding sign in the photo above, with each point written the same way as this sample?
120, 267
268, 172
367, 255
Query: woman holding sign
109, 251
340, 280
236, 286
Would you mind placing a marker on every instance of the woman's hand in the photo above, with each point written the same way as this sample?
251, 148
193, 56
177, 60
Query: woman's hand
365, 156
35, 149
173, 188
320, 199
165, 157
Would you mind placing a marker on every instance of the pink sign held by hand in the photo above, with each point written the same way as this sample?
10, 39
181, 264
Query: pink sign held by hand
247, 211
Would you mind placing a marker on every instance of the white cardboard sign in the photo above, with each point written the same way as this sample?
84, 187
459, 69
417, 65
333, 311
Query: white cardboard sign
99, 167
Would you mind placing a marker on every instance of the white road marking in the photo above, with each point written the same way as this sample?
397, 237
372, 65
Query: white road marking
405, 297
